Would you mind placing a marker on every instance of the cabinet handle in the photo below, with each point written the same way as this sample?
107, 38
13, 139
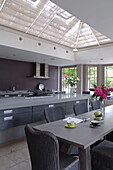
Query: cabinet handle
8, 112
77, 101
8, 118
51, 105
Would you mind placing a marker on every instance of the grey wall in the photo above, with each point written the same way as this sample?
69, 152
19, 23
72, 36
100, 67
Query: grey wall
20, 74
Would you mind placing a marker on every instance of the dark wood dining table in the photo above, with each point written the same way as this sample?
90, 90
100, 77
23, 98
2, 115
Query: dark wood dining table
83, 135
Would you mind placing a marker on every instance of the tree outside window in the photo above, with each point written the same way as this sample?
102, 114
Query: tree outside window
92, 76
108, 76
69, 78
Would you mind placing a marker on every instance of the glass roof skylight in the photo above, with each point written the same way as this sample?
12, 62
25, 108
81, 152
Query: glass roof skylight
44, 19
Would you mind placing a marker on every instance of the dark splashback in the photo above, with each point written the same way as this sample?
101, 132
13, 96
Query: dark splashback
17, 73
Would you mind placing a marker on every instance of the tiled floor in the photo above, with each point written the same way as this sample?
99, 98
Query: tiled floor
14, 156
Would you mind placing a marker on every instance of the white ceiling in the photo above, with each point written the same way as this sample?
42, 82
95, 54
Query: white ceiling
48, 21
97, 13
27, 56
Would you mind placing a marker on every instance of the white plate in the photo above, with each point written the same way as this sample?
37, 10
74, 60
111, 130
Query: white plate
41, 86
96, 121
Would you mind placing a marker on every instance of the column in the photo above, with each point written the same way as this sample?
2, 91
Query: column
80, 76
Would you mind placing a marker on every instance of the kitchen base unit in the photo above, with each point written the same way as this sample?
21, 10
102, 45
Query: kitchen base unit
17, 112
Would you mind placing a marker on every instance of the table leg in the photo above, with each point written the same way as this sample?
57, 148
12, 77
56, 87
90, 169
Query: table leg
85, 159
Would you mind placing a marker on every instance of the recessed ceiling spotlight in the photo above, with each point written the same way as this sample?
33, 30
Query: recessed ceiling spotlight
101, 58
39, 43
54, 48
66, 51
20, 38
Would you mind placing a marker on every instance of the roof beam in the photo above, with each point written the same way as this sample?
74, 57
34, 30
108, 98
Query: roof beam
53, 16
97, 14
80, 26
68, 31
94, 35
3, 3
37, 16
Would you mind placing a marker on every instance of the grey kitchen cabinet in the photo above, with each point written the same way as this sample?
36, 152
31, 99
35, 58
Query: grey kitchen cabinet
38, 113
15, 117
6, 119
22, 116
69, 106
62, 104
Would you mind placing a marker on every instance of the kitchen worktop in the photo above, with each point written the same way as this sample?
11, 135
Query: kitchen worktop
16, 102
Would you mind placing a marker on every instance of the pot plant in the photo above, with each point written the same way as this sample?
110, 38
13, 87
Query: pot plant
101, 93
71, 81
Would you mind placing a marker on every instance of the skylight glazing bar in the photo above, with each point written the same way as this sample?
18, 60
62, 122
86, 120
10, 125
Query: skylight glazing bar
80, 26
94, 35
54, 14
38, 15
42, 19
67, 33
3, 3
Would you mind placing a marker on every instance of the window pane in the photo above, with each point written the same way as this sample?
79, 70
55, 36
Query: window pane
92, 76
68, 76
108, 76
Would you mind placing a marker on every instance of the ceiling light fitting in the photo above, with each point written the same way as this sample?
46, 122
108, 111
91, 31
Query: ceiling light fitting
75, 49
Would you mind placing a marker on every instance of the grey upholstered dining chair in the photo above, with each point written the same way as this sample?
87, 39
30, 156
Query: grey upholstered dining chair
95, 104
44, 152
102, 156
80, 108
54, 113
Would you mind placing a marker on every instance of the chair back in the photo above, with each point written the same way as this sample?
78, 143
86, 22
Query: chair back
43, 149
54, 113
95, 104
80, 108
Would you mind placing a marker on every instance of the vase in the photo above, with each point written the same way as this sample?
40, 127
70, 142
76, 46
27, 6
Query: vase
102, 109
72, 90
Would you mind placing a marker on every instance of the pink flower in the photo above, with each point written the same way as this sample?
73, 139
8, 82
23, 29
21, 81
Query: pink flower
105, 90
110, 89
99, 87
65, 75
98, 92
103, 96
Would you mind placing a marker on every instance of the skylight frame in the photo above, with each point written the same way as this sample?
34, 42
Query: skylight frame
48, 21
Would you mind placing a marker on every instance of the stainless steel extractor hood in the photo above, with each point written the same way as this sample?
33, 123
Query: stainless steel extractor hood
41, 70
